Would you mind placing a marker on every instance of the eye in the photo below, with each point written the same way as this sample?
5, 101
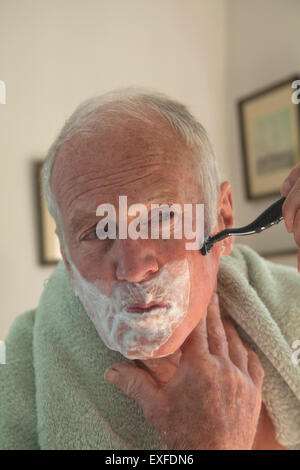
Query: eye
165, 216
92, 235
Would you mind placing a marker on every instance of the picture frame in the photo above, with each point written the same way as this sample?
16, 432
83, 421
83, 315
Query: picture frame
48, 243
270, 137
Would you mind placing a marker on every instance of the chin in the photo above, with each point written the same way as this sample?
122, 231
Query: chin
172, 345
177, 338
167, 349
138, 355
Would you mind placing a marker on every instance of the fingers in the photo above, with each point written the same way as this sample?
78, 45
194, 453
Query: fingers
296, 225
255, 368
133, 381
242, 355
290, 180
291, 205
217, 340
237, 351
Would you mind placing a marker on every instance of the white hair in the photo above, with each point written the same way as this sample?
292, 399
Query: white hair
103, 111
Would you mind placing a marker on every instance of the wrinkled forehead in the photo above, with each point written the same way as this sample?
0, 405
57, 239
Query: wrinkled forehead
128, 139
130, 155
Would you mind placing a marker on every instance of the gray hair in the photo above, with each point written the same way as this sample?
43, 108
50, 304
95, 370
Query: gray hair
103, 111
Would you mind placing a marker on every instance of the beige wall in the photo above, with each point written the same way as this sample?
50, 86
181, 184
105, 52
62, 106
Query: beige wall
54, 54
263, 47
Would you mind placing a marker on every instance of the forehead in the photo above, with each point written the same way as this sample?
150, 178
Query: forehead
132, 158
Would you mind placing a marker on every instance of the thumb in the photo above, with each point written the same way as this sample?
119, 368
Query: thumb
135, 382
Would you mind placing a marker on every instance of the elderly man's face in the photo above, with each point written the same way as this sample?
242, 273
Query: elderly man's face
148, 164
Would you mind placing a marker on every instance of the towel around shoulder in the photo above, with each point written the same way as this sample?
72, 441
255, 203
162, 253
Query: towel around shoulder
52, 391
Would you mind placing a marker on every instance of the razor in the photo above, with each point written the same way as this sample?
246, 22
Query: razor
272, 215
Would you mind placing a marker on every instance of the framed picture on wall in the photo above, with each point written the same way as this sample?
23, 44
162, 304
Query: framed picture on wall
49, 251
270, 137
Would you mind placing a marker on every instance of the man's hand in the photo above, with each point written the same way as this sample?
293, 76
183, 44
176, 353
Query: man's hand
291, 207
212, 401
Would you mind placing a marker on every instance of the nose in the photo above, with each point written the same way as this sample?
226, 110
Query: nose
135, 260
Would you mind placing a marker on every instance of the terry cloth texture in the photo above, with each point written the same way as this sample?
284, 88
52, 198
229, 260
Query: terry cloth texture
52, 391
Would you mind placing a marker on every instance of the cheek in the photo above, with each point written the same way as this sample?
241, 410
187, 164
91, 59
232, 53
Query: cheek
92, 270
204, 270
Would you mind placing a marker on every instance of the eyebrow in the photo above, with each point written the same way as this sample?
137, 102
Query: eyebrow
166, 196
80, 216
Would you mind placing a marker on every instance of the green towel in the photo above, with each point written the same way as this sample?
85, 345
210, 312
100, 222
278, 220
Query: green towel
52, 391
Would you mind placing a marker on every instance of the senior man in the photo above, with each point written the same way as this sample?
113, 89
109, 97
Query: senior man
144, 313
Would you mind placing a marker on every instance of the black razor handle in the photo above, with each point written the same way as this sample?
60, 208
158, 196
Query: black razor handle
272, 215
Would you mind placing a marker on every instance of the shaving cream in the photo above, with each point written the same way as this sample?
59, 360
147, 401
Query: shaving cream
136, 335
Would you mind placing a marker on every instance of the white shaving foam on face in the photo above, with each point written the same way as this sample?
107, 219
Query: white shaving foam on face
136, 335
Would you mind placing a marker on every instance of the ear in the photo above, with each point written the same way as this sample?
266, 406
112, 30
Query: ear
67, 264
225, 215
63, 254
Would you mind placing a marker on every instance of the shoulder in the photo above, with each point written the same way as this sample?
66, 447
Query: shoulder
277, 286
17, 391
22, 327
19, 340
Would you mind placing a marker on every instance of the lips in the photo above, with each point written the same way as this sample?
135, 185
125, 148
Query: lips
142, 308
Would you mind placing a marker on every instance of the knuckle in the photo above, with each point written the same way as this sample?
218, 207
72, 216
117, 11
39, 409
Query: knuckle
231, 375
218, 347
252, 355
260, 372
210, 370
132, 388
217, 331
213, 366
258, 368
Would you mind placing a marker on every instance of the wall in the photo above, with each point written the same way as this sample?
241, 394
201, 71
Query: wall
263, 47
56, 53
